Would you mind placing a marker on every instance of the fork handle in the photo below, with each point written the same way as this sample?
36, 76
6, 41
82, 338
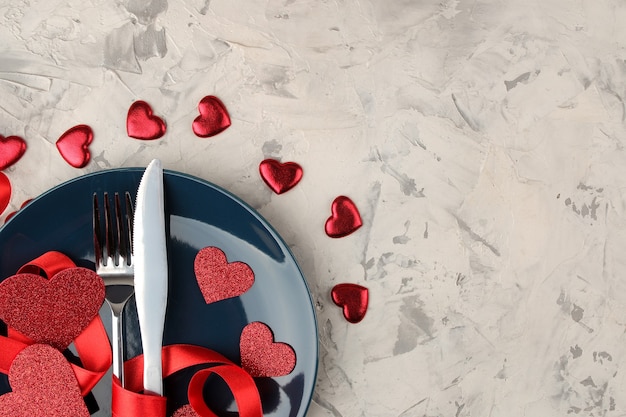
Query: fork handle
118, 346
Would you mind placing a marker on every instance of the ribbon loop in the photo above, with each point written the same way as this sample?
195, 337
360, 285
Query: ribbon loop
240, 383
178, 357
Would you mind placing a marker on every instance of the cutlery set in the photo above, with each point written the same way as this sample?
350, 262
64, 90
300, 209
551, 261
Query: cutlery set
131, 258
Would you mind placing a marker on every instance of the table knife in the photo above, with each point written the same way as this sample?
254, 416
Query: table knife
150, 258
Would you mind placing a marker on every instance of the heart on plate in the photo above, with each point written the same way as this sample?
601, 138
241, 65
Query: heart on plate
185, 411
5, 191
11, 150
280, 177
217, 278
261, 356
73, 145
52, 311
43, 384
142, 124
353, 299
345, 218
213, 119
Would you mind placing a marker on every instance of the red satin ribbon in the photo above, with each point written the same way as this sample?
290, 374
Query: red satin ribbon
128, 402
47, 265
93, 348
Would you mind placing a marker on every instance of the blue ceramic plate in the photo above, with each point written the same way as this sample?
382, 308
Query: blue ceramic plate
198, 215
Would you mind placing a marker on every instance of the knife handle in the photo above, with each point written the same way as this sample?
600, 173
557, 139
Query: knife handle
151, 324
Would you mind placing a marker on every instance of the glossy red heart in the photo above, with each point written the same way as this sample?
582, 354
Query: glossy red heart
141, 123
5, 192
217, 278
345, 218
353, 299
73, 145
52, 311
11, 150
13, 213
43, 384
280, 177
213, 119
261, 356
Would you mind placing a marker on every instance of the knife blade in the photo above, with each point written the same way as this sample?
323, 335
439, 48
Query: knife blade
151, 273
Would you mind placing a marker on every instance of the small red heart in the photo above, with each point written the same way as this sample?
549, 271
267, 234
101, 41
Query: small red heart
5, 191
11, 150
52, 311
73, 145
43, 384
353, 299
280, 177
218, 279
13, 213
142, 124
213, 117
345, 218
261, 356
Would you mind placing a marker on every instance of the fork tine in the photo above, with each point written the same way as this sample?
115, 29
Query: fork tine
97, 232
108, 231
123, 222
130, 215
120, 241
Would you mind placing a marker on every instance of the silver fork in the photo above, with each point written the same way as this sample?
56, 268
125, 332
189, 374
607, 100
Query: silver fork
114, 263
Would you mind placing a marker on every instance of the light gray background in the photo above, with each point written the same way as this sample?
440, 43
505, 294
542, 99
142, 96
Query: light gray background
483, 142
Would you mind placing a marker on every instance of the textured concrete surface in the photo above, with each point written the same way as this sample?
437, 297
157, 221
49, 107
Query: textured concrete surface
483, 142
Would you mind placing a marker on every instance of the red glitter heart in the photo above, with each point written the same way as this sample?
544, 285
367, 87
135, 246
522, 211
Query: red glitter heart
11, 150
52, 311
73, 145
261, 356
142, 124
185, 411
353, 299
218, 279
280, 177
345, 218
43, 384
5, 192
213, 117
